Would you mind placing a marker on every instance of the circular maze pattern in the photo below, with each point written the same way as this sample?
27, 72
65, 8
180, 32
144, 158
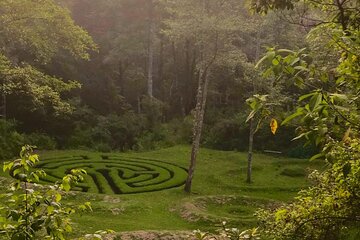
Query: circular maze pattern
116, 175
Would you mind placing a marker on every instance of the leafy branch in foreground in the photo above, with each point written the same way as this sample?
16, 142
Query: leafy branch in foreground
328, 115
32, 211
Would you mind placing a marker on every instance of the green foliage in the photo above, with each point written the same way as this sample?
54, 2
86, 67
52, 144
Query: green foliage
25, 24
41, 91
128, 131
108, 132
153, 110
30, 211
329, 209
258, 105
323, 113
227, 134
329, 117
32, 33
330, 105
177, 131
301, 150
263, 6
41, 140
10, 140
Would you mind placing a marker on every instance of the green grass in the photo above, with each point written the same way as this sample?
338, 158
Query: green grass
116, 174
219, 190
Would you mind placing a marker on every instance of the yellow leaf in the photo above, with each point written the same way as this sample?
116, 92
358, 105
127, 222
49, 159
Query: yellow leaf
346, 137
273, 125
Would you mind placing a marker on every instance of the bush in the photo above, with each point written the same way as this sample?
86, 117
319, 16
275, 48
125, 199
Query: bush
227, 134
302, 151
108, 133
177, 131
153, 110
42, 141
294, 172
102, 147
10, 140
81, 138
230, 132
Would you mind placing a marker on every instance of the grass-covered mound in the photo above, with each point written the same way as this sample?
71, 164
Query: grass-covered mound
237, 210
116, 175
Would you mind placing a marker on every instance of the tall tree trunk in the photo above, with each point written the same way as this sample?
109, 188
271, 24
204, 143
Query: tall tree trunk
121, 80
174, 82
139, 105
198, 125
150, 49
187, 87
250, 153
3, 107
199, 114
161, 69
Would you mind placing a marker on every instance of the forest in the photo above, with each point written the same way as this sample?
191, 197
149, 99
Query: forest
180, 119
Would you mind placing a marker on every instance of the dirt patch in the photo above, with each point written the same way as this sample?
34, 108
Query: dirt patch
199, 209
196, 210
111, 199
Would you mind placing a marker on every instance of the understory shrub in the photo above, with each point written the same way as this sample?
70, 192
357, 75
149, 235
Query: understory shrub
10, 140
130, 131
227, 134
232, 133
302, 151
42, 141
177, 131
108, 133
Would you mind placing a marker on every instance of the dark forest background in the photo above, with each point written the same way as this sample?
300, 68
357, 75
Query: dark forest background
118, 108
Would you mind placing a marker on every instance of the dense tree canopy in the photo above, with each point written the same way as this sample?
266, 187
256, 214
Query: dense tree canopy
32, 33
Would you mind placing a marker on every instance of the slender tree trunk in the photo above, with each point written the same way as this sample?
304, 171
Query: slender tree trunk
174, 82
198, 125
199, 115
161, 69
150, 50
3, 107
187, 87
250, 153
121, 83
3, 101
139, 105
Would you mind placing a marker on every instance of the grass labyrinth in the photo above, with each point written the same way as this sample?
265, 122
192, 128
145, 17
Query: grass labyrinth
115, 174
220, 192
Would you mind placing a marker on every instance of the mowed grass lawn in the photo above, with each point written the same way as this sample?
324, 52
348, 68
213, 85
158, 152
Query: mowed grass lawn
219, 192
